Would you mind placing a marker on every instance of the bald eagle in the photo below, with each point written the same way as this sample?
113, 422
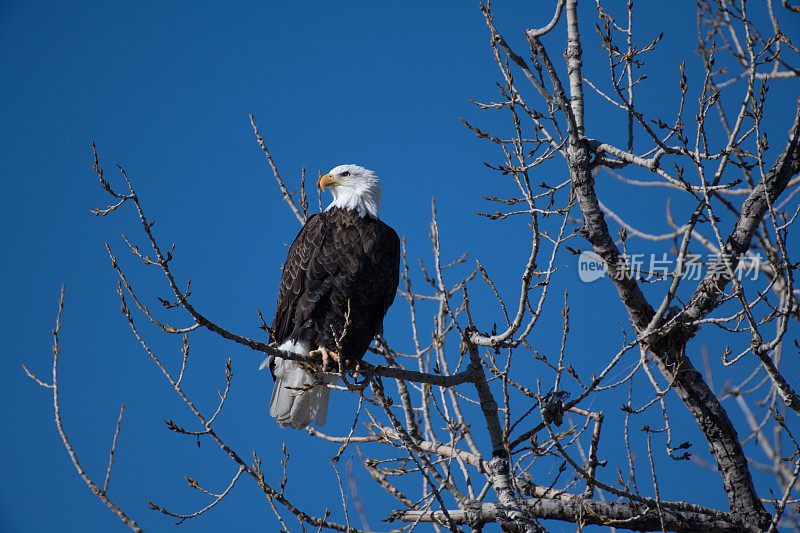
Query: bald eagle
339, 279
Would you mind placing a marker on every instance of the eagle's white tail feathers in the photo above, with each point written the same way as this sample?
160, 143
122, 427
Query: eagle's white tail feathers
299, 397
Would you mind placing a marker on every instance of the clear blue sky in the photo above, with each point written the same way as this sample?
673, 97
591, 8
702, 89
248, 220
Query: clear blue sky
165, 90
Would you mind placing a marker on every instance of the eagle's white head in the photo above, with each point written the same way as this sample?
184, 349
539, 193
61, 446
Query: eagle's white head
353, 187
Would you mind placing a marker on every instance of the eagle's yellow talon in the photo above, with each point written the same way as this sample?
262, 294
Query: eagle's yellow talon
326, 355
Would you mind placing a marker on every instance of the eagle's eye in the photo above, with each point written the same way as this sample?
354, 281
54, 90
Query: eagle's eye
345, 174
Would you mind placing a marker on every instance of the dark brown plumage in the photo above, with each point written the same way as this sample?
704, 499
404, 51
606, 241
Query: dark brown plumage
336, 257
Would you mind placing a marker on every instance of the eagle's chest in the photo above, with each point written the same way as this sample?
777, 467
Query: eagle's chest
356, 239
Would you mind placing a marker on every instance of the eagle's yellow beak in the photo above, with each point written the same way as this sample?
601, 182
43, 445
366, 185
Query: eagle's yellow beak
327, 181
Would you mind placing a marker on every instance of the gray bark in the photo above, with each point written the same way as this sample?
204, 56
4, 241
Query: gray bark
593, 512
